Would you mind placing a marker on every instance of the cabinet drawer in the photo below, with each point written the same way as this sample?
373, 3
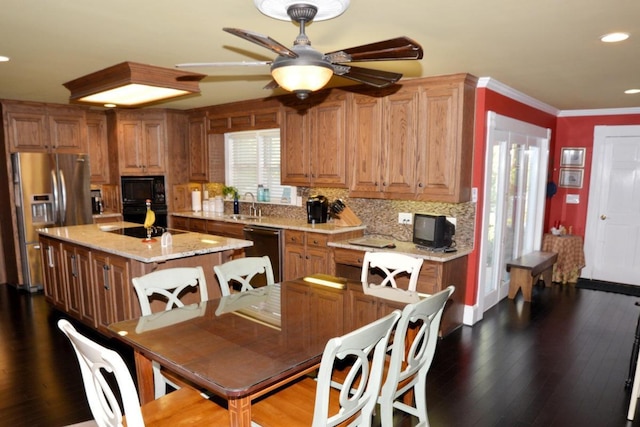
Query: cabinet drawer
317, 240
294, 237
198, 225
226, 229
348, 257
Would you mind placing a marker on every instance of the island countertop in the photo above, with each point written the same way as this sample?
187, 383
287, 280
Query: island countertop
184, 244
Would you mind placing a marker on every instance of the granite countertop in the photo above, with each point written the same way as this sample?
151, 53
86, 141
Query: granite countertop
276, 222
185, 244
407, 248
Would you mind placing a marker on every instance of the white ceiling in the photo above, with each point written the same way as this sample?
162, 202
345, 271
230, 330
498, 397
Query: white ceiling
547, 49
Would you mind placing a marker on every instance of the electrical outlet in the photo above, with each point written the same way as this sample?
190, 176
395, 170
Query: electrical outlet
405, 218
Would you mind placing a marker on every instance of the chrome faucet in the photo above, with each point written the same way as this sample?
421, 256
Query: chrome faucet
252, 209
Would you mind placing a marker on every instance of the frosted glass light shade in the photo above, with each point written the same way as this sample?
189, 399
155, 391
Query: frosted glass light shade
302, 77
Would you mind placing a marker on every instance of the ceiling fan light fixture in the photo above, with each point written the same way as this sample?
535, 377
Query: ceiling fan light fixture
132, 84
302, 79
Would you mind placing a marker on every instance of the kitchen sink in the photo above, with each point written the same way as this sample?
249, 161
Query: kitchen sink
242, 217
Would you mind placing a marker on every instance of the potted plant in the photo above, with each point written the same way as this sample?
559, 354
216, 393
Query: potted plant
230, 192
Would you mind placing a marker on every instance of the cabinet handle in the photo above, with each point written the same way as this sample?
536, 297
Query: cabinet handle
50, 256
315, 242
105, 276
74, 271
384, 183
420, 184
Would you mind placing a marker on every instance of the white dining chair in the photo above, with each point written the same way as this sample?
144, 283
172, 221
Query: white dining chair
242, 271
167, 286
635, 393
390, 266
412, 351
99, 365
364, 350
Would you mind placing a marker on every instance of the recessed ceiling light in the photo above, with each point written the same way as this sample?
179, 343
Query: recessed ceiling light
4, 58
614, 37
632, 91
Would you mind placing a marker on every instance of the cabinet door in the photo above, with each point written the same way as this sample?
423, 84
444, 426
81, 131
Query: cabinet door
365, 142
400, 138
294, 147
198, 152
294, 261
27, 128
112, 287
111, 198
130, 147
53, 269
67, 130
154, 147
328, 149
327, 304
97, 147
84, 284
70, 280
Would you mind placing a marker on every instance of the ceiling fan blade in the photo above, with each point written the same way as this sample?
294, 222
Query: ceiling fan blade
393, 49
376, 78
272, 85
262, 40
223, 64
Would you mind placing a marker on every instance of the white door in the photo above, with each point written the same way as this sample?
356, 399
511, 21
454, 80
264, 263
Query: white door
513, 212
612, 237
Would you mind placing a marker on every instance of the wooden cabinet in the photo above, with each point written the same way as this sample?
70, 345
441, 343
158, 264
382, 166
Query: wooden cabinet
242, 116
363, 309
77, 281
97, 141
111, 198
198, 148
434, 277
313, 143
307, 252
34, 127
113, 289
53, 273
422, 148
141, 142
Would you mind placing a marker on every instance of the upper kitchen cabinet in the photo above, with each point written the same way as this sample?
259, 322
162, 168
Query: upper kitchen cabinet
98, 147
34, 127
198, 148
415, 142
244, 115
313, 141
447, 106
383, 141
141, 141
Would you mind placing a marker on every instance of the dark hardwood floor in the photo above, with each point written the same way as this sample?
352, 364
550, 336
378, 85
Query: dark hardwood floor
560, 361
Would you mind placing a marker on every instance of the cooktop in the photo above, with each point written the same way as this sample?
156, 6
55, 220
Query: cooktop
141, 232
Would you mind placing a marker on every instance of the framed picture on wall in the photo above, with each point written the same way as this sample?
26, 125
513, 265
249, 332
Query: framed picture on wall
571, 178
572, 157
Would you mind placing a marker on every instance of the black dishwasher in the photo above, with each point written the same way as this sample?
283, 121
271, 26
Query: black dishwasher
266, 241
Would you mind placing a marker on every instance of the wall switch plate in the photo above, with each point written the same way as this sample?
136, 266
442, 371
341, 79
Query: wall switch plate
405, 218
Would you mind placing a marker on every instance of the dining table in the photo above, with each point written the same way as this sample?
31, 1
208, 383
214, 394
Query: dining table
241, 346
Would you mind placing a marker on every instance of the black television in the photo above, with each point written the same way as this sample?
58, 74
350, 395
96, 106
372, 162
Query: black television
432, 231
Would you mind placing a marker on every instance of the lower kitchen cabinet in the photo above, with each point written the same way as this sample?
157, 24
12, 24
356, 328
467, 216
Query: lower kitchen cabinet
306, 253
113, 289
434, 277
53, 272
77, 280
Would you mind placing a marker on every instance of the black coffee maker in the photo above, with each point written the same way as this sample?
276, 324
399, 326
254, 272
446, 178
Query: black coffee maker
317, 209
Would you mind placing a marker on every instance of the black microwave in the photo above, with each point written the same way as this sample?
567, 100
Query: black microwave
137, 189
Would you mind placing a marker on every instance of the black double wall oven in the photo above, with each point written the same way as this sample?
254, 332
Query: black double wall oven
136, 190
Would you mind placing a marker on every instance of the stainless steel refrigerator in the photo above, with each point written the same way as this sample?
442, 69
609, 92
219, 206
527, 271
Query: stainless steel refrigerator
51, 190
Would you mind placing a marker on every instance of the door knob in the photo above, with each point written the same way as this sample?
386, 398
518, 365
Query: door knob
603, 217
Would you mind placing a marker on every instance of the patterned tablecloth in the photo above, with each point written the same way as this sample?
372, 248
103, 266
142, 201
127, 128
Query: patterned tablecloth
570, 256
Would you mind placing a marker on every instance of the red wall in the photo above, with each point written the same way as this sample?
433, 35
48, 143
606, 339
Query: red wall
565, 132
488, 100
577, 132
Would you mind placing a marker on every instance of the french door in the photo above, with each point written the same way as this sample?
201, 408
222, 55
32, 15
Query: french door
516, 163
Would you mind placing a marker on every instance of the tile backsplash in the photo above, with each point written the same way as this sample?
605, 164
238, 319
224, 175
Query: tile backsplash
381, 216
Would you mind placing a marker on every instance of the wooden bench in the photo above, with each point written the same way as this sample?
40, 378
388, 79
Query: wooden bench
526, 270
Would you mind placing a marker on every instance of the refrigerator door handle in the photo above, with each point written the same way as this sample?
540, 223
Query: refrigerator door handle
56, 199
63, 199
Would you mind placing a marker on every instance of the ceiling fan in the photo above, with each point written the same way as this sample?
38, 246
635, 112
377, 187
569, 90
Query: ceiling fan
302, 69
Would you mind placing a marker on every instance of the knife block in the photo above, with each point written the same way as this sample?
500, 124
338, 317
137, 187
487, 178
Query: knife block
347, 218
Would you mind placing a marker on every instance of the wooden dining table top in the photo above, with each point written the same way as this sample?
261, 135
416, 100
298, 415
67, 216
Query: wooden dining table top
236, 345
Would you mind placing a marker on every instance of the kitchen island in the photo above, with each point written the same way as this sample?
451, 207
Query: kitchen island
88, 268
